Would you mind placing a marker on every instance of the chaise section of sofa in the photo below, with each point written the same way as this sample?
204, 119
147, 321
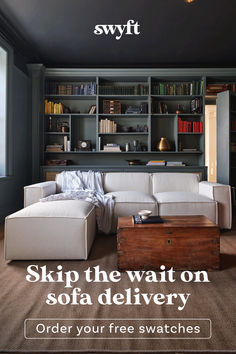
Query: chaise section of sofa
62, 229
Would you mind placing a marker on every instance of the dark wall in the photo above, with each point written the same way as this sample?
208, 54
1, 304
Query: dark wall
11, 188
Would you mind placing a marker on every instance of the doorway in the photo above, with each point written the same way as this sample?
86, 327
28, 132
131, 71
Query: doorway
211, 142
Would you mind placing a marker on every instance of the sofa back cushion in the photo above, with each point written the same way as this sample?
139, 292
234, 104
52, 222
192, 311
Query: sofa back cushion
175, 182
126, 181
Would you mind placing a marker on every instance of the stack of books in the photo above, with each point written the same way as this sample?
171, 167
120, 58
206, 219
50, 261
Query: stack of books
107, 126
175, 163
111, 148
133, 110
54, 148
156, 163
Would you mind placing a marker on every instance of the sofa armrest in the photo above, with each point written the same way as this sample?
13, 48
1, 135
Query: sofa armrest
34, 192
222, 194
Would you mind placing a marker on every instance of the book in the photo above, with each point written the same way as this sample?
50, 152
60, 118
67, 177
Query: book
189, 149
54, 148
156, 163
175, 163
153, 219
111, 148
107, 126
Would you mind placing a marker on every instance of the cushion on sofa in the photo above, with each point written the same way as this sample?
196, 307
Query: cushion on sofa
186, 203
62, 229
173, 182
123, 181
130, 202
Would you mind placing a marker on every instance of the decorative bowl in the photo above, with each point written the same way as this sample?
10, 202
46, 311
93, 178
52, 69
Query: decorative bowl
144, 214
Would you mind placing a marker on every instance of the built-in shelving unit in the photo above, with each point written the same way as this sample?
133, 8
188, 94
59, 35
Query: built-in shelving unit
151, 106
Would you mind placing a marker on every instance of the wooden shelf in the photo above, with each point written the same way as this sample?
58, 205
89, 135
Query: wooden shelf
71, 114
72, 97
125, 133
189, 133
122, 97
56, 133
125, 152
124, 115
186, 115
176, 97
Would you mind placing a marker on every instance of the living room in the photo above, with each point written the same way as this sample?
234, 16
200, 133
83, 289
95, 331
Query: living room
117, 176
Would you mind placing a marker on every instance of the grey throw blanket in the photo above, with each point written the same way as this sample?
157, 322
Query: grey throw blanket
77, 185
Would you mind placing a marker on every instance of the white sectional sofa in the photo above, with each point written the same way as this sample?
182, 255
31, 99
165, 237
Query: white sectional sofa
66, 229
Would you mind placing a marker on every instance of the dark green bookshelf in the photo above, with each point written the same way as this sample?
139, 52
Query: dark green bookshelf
131, 90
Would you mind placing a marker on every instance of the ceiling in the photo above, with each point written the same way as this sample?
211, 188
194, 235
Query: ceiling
172, 33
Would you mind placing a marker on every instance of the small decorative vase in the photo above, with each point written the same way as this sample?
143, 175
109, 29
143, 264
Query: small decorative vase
163, 145
179, 109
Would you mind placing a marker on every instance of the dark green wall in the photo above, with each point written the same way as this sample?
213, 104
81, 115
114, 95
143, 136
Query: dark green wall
11, 188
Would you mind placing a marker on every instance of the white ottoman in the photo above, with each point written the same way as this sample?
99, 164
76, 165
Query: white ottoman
63, 229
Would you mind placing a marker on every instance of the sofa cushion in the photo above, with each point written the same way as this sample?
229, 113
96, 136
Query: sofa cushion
123, 181
186, 203
175, 182
62, 229
129, 203
132, 197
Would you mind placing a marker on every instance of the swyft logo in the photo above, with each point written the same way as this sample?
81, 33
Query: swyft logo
130, 28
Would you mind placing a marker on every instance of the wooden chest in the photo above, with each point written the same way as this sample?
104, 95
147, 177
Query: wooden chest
181, 242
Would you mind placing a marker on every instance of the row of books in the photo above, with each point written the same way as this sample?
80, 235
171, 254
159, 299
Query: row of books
189, 127
55, 88
178, 88
107, 126
213, 89
159, 107
111, 148
139, 89
164, 163
53, 108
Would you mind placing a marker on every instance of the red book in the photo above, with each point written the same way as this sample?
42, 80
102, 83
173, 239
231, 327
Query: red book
194, 127
179, 125
185, 127
201, 127
198, 127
